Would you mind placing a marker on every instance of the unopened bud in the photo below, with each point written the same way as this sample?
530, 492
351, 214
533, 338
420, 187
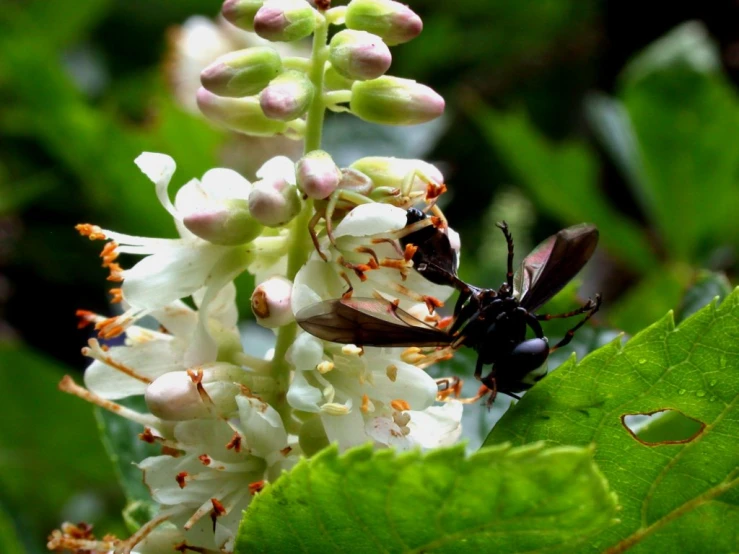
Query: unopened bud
317, 174
354, 180
242, 73
174, 397
270, 302
395, 101
241, 12
239, 114
396, 23
228, 223
285, 20
287, 97
359, 55
392, 172
274, 202
333, 80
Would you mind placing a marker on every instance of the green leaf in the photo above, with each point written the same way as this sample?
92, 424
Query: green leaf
685, 114
563, 181
121, 439
50, 452
518, 499
675, 497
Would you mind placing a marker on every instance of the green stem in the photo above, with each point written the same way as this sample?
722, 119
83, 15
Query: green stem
300, 244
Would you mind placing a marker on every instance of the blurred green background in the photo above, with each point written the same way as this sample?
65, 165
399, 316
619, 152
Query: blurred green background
558, 111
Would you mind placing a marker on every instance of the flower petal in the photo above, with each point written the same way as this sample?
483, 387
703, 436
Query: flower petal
279, 167
176, 273
436, 426
159, 168
371, 219
225, 184
262, 426
345, 430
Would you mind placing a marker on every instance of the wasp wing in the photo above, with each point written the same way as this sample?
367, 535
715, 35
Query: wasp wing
368, 322
553, 264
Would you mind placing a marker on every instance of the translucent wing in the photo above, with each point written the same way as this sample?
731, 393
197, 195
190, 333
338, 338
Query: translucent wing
368, 322
553, 264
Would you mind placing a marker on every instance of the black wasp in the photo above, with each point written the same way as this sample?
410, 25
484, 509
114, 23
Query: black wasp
492, 322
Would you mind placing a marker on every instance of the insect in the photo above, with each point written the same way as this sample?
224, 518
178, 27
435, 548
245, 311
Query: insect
492, 322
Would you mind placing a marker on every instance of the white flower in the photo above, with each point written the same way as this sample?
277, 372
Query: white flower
369, 393
189, 266
205, 489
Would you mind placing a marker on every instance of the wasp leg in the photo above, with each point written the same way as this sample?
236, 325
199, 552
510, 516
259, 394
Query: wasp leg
571, 333
503, 226
589, 305
314, 234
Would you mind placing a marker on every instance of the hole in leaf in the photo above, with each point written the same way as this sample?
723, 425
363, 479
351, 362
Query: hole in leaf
662, 427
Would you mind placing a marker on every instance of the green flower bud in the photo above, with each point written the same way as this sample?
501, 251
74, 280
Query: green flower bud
396, 23
392, 172
239, 114
242, 73
333, 80
287, 97
285, 20
395, 101
317, 174
274, 202
228, 223
359, 55
241, 12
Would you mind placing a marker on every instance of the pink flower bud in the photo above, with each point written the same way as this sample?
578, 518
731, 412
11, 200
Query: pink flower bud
242, 73
285, 20
174, 397
395, 101
359, 55
241, 12
239, 114
228, 223
396, 23
317, 174
270, 302
274, 202
287, 97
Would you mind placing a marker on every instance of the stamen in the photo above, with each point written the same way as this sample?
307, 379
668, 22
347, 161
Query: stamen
333, 408
412, 355
146, 529
116, 273
410, 251
218, 511
117, 295
400, 405
68, 385
109, 253
86, 318
93, 232
367, 250
207, 505
442, 354
79, 538
392, 372
324, 367
235, 443
367, 404
95, 352
181, 478
256, 487
352, 350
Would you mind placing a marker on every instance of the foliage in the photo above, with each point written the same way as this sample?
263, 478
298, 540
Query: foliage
673, 496
518, 499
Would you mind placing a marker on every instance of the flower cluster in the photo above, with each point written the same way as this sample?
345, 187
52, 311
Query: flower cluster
227, 421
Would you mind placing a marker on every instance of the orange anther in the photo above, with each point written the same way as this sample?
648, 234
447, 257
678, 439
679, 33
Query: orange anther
117, 294
93, 232
400, 405
181, 479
